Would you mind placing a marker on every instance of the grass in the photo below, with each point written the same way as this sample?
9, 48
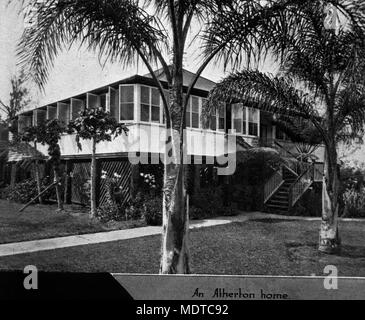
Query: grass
43, 221
266, 247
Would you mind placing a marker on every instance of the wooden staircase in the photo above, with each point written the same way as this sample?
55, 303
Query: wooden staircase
279, 201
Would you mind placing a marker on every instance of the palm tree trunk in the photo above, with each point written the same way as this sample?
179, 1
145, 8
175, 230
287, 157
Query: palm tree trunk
175, 256
329, 240
93, 179
58, 190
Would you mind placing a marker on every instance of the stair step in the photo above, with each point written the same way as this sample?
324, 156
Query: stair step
280, 196
278, 202
278, 208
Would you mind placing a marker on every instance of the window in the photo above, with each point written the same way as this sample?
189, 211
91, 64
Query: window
103, 101
239, 118
213, 120
253, 121
126, 102
193, 112
150, 104
245, 120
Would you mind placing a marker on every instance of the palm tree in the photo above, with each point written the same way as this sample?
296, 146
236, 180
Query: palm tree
321, 80
123, 30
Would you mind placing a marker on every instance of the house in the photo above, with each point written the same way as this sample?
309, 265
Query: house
136, 102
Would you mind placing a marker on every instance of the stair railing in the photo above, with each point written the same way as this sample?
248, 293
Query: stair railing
273, 184
301, 185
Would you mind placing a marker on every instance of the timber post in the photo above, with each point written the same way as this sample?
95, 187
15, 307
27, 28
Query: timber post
134, 179
98, 164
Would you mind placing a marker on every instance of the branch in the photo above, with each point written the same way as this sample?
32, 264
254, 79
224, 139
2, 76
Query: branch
173, 23
188, 22
196, 77
163, 63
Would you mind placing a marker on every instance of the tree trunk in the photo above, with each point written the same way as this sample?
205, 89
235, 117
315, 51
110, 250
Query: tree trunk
38, 180
329, 240
175, 256
93, 179
13, 174
58, 190
37, 177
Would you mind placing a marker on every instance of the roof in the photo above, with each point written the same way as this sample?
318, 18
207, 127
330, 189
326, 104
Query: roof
23, 151
201, 88
202, 83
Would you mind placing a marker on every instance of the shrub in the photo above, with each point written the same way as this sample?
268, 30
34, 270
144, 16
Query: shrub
134, 209
196, 213
152, 211
354, 202
109, 212
310, 204
208, 203
26, 190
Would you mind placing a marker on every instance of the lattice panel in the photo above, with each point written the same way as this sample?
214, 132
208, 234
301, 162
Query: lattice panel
120, 172
80, 176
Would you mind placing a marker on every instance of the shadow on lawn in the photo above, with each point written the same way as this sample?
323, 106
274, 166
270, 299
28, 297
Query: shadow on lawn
272, 220
310, 250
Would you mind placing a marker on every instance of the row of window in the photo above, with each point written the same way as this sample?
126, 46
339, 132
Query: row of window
244, 120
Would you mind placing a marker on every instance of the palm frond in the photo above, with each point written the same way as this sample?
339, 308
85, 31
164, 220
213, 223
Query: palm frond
269, 93
115, 29
252, 29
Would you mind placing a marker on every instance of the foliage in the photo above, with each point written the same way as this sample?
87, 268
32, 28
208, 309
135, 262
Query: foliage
310, 204
19, 98
134, 209
48, 133
24, 191
81, 185
352, 192
151, 178
110, 212
152, 211
307, 80
207, 203
354, 202
95, 123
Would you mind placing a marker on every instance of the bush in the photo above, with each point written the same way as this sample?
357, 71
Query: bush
134, 210
310, 204
354, 202
26, 190
152, 211
110, 212
208, 203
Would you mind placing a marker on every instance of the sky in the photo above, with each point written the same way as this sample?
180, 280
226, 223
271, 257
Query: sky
76, 70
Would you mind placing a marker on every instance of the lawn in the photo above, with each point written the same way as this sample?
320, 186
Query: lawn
265, 246
43, 221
